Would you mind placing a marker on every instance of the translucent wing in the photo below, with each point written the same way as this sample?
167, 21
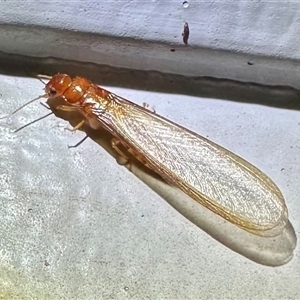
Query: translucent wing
218, 179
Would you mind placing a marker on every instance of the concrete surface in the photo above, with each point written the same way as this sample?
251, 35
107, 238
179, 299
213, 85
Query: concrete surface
75, 224
240, 40
147, 55
253, 27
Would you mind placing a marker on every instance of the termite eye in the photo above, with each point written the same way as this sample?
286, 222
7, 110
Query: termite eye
52, 91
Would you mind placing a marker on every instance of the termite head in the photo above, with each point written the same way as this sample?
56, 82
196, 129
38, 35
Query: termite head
60, 85
57, 85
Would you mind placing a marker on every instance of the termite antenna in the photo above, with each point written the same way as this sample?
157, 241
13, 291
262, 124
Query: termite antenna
25, 104
42, 77
32, 122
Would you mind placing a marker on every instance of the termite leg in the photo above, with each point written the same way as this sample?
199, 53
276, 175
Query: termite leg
76, 127
66, 108
79, 143
146, 105
139, 158
123, 160
43, 104
70, 108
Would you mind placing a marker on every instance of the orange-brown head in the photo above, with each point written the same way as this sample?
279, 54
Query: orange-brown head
57, 85
72, 90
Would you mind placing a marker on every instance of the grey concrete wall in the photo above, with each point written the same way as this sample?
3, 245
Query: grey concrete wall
76, 225
254, 27
262, 33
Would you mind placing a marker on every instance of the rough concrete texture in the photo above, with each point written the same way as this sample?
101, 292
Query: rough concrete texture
254, 27
76, 225
227, 38
145, 55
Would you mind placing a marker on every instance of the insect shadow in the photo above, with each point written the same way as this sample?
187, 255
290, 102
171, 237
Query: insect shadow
101, 136
273, 251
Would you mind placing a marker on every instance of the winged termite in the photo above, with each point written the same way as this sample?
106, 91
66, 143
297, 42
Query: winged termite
211, 175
